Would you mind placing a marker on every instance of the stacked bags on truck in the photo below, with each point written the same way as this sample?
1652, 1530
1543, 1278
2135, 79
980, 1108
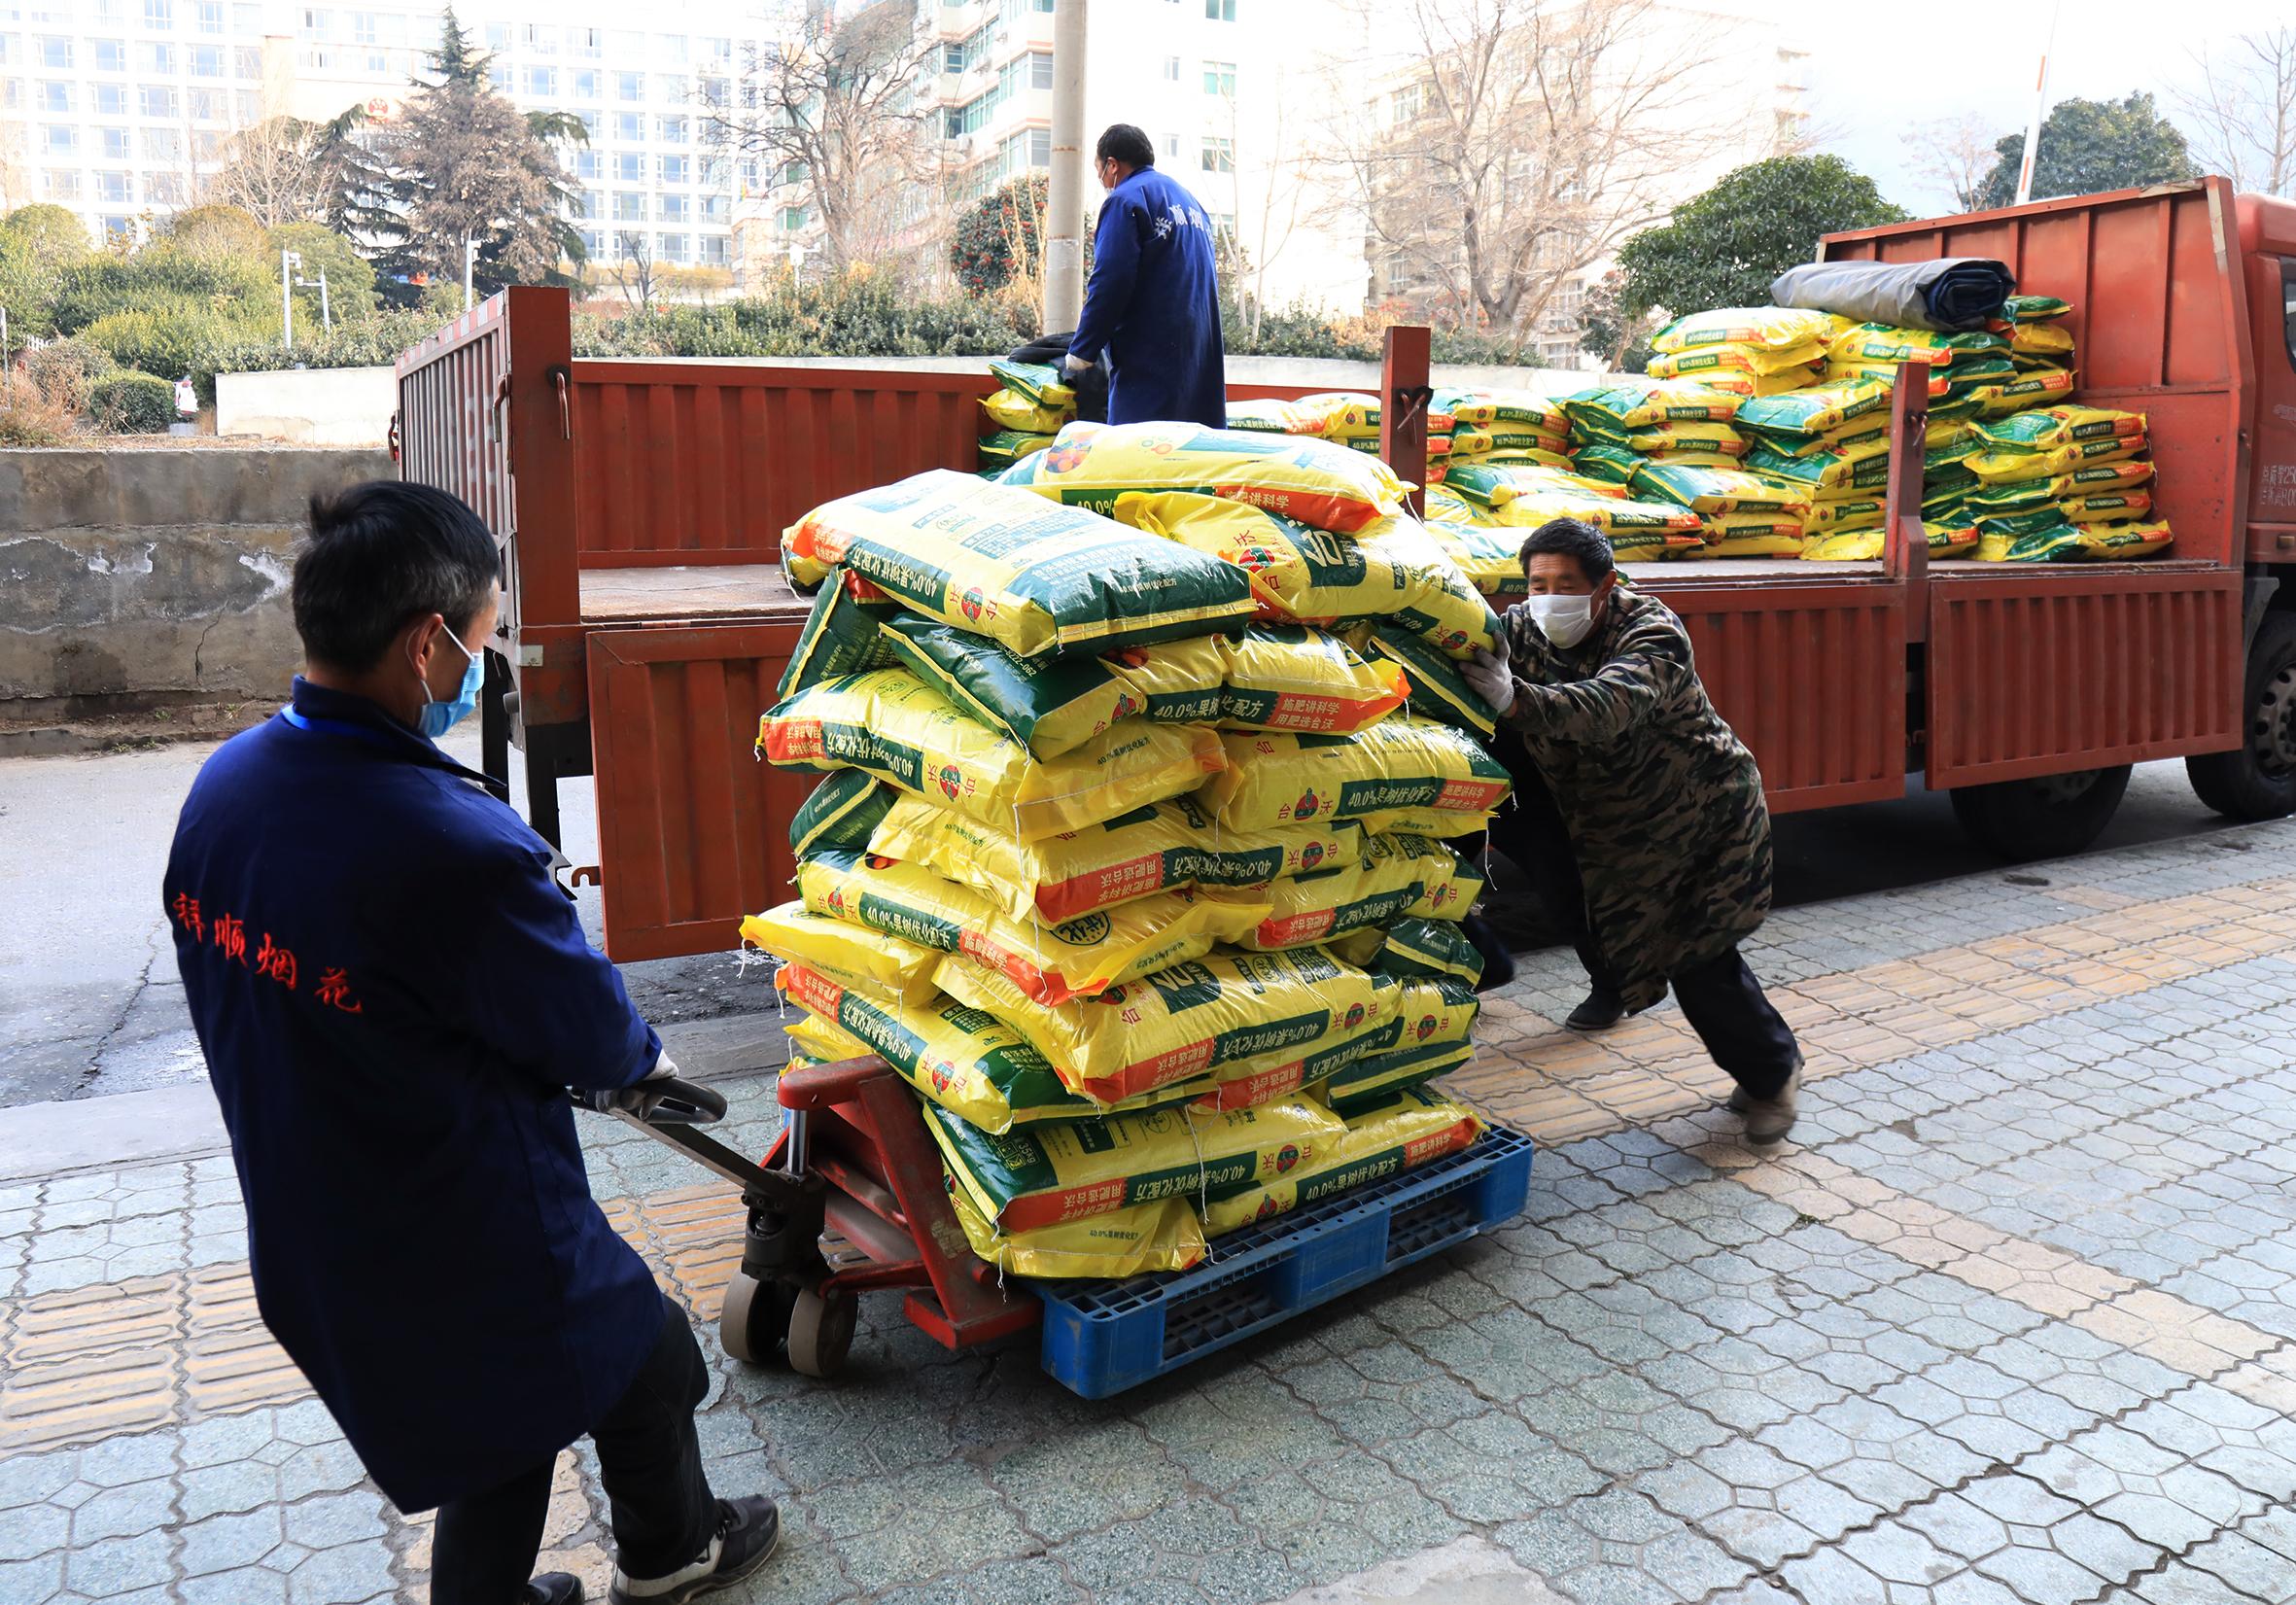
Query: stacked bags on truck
1347, 417
1031, 404
2065, 484
1131, 855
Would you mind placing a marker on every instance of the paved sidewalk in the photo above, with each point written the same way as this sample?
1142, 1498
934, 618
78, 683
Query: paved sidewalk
2013, 1318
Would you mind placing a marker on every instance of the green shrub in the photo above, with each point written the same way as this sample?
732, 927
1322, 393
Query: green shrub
66, 369
173, 341
132, 404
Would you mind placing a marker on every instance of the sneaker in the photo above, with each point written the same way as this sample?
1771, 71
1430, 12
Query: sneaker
1498, 964
554, 1589
1767, 1119
748, 1529
1598, 1011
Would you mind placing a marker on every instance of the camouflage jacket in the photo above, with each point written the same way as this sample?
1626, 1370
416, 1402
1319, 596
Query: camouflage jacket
1663, 803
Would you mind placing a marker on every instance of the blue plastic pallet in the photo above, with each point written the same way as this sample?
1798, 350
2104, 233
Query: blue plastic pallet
1103, 1337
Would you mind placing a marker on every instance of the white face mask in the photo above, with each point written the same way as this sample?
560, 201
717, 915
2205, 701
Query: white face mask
1563, 619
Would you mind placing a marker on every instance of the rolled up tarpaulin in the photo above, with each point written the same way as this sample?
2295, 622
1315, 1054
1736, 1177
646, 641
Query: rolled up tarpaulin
1950, 292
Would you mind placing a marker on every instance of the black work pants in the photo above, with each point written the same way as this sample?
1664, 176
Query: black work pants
483, 1548
1531, 833
1741, 1028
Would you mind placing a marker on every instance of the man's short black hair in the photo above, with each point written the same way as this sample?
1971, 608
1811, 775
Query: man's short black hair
1572, 537
1126, 144
381, 555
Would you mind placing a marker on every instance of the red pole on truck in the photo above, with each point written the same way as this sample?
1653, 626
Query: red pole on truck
1906, 541
1404, 392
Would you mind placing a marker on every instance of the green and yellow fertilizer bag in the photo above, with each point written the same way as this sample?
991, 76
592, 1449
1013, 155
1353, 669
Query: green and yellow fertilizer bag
2051, 537
849, 955
1999, 466
1446, 609
1608, 464
1040, 382
1396, 1133
1230, 1011
1438, 1016
895, 726
1034, 577
1013, 412
1762, 328
1887, 344
841, 636
1057, 702
1720, 442
1821, 410
1420, 946
1289, 677
2097, 479
1397, 763
1318, 482
1438, 688
1296, 574
1070, 1172
2034, 308
1268, 417
1618, 412
1490, 558
2044, 388
1746, 371
1712, 491
2107, 506
910, 908
1395, 874
1845, 470
1492, 485
1131, 1241
1755, 534
1007, 447
2043, 429
842, 811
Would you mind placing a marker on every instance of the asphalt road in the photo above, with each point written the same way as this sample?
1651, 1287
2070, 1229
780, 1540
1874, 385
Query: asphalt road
89, 1003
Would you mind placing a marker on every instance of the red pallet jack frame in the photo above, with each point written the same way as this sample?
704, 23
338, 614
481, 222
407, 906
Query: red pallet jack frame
849, 1199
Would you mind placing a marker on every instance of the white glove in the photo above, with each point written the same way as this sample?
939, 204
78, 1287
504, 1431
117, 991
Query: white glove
1490, 676
643, 1096
1075, 364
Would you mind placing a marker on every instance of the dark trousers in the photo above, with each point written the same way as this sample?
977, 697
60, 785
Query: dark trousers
1720, 998
650, 1458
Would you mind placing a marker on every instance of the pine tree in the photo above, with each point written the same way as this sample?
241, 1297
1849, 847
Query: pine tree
464, 164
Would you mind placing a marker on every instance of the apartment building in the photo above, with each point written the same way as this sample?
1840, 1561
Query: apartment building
119, 109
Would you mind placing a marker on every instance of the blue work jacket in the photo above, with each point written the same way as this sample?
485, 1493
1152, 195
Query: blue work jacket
1152, 310
393, 996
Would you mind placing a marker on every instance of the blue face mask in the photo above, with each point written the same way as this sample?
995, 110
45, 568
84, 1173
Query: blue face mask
439, 717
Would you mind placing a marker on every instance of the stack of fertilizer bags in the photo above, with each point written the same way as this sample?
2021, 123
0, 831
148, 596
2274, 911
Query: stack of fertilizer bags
1677, 443
1131, 855
2055, 481
1030, 405
1347, 417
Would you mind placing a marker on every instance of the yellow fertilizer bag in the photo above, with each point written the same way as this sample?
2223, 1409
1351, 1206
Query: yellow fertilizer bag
2044, 429
2107, 506
1691, 439
1397, 763
1754, 534
1437, 948
1055, 703
1012, 411
1823, 409
1620, 411
2065, 542
1490, 486
1007, 447
1231, 1010
1474, 443
841, 637
895, 726
2037, 389
1344, 414
1846, 469
1452, 899
1444, 607
1742, 369
1437, 1020
1861, 512
1889, 343
2041, 339
1131, 1241
1288, 676
2097, 479
1318, 482
846, 953
1489, 558
1606, 468
842, 811
1394, 874
1040, 382
1763, 328
1709, 492
1997, 467
1034, 579
1296, 574
1439, 690
909, 909
1863, 544
1166, 847
1072, 1171
1272, 417
1413, 1128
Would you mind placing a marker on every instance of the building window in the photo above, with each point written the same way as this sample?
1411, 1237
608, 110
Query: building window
62, 185
671, 89
629, 208
160, 15
59, 139
718, 50
207, 144
317, 24
671, 47
56, 98
542, 38
717, 208
502, 78
120, 227
1040, 69
1171, 146
1219, 156
630, 167
675, 247
589, 123
630, 86
498, 36
1041, 147
714, 251
1220, 11
1171, 69
674, 208
630, 128
1219, 78
246, 17
208, 106
247, 62
594, 243
111, 54
953, 56
115, 144
792, 219
211, 15
672, 130
55, 54
714, 91
245, 110
162, 145
158, 57
543, 83
113, 188
585, 84
111, 100
586, 42
589, 164
156, 100
678, 170
363, 28
163, 188
207, 61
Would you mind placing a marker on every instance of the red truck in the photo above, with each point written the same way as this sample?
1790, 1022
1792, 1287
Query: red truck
640, 507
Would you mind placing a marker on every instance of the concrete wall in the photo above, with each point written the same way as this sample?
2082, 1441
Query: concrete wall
311, 407
136, 578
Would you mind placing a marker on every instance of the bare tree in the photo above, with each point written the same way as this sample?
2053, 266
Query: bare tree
1267, 213
1956, 155
283, 170
835, 112
2240, 115
635, 271
1507, 146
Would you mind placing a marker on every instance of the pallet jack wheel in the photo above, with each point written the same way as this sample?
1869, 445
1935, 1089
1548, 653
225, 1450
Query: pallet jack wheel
755, 1319
820, 1333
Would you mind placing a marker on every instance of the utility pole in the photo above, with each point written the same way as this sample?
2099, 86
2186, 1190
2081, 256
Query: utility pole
2040, 109
289, 261
326, 312
470, 264
1064, 248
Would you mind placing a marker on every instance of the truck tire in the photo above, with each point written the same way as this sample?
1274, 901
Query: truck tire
2258, 779
2047, 817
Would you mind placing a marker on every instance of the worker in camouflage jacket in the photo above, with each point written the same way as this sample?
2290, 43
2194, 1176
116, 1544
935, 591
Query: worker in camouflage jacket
1639, 814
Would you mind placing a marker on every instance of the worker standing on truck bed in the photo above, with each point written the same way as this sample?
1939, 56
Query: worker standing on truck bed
393, 995
1656, 841
1152, 309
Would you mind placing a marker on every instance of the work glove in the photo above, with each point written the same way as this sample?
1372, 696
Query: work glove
1075, 364
642, 1098
1491, 677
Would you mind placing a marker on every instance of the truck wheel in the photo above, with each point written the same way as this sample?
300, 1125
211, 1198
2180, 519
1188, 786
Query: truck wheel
2258, 779
2046, 817
755, 1319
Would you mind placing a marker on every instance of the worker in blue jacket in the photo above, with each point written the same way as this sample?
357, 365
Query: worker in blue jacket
393, 995
1152, 310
